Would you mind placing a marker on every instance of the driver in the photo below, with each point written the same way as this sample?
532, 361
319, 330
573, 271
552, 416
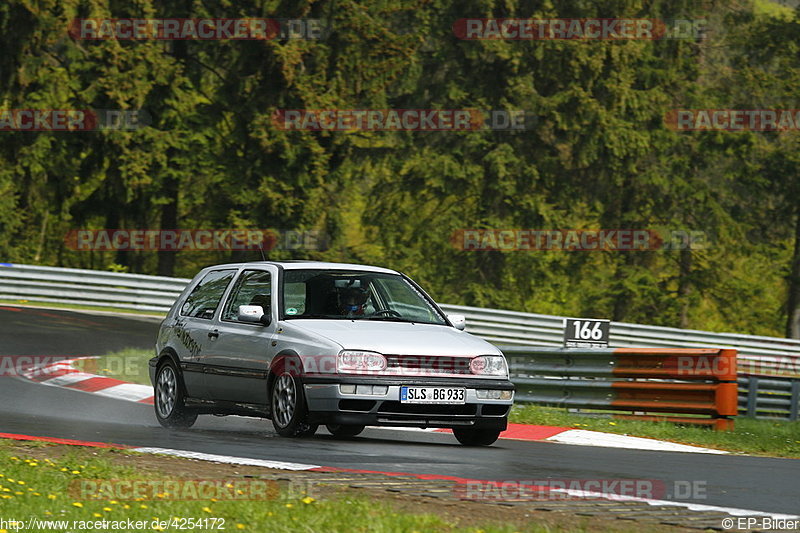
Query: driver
352, 300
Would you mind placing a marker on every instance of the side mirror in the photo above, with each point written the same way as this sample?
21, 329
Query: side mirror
253, 314
459, 321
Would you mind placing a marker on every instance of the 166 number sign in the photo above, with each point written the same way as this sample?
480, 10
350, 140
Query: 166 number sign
586, 333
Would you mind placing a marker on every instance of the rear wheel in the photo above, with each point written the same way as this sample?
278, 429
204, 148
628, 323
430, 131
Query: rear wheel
344, 431
169, 398
476, 437
289, 408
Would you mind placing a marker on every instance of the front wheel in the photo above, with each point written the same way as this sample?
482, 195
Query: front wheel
344, 431
476, 437
169, 397
289, 409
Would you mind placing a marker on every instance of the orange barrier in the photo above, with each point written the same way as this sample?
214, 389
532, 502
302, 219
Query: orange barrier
652, 384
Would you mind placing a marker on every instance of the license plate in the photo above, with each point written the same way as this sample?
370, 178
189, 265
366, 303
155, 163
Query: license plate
433, 395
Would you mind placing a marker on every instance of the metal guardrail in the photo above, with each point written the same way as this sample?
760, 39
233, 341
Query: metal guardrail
772, 357
769, 398
89, 287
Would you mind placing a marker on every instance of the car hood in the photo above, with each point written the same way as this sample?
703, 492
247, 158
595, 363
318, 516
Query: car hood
398, 337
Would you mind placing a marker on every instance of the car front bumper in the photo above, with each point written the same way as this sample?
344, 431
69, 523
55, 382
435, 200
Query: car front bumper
329, 405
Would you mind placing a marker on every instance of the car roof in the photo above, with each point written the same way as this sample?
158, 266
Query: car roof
310, 265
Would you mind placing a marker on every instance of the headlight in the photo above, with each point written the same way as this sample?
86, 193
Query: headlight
489, 365
354, 362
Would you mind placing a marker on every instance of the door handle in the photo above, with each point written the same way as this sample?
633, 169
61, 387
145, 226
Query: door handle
213, 334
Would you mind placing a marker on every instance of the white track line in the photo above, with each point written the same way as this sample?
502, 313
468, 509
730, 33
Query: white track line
733, 511
610, 440
227, 459
127, 391
68, 379
691, 506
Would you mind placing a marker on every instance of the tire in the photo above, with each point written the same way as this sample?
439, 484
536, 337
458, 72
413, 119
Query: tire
289, 408
476, 437
169, 398
344, 431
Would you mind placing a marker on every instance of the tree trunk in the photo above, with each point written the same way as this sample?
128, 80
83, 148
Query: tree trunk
169, 221
685, 284
793, 302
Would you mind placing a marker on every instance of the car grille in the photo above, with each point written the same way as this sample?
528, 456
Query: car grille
428, 365
390, 407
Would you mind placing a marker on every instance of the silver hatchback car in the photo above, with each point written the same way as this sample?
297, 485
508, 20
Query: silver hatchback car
310, 343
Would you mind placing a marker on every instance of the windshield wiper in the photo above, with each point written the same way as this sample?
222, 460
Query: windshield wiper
391, 319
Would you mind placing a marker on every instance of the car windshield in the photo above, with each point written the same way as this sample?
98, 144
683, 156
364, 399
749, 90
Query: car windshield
354, 295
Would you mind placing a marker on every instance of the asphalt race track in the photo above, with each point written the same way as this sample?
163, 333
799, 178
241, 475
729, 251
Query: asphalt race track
755, 483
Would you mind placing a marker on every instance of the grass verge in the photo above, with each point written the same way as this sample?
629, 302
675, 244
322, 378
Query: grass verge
760, 437
44, 481
68, 306
129, 364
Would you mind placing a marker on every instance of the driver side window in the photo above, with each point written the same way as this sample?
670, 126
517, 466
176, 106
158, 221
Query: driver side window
254, 287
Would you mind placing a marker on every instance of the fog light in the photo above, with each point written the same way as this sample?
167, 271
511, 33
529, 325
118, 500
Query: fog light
380, 390
493, 394
347, 389
364, 389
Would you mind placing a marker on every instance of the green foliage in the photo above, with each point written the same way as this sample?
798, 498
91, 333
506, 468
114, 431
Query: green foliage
597, 155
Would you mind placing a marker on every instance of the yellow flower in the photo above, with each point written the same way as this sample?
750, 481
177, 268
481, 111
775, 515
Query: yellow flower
64, 469
5, 496
612, 423
18, 493
21, 482
213, 499
289, 505
36, 494
3, 531
126, 506
107, 509
207, 509
307, 500
75, 472
77, 504
33, 464
97, 515
48, 513
142, 506
113, 502
51, 496
238, 526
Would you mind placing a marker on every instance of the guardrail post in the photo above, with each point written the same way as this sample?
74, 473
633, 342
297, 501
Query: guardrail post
752, 395
795, 399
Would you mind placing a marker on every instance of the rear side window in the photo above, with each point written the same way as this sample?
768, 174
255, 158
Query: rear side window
204, 299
